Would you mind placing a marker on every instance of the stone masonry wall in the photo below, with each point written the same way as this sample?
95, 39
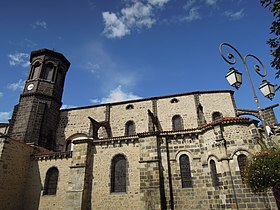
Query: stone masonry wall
231, 192
102, 197
14, 165
151, 167
34, 198
119, 116
78, 194
213, 102
4, 129
76, 120
185, 107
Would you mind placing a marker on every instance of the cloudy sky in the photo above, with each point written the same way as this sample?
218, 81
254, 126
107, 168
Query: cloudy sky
127, 49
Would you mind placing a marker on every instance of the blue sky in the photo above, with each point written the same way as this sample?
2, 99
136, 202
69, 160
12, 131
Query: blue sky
128, 49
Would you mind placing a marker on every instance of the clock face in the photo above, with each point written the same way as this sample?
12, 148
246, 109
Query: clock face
30, 87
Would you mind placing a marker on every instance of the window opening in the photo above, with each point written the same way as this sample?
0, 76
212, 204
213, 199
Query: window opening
177, 123
129, 106
174, 100
242, 161
130, 128
119, 174
48, 72
51, 179
214, 175
216, 116
35, 71
185, 171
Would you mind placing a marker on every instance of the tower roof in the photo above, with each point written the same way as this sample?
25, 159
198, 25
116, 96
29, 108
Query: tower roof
45, 51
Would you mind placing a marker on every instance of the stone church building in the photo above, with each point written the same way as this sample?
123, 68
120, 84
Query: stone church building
184, 151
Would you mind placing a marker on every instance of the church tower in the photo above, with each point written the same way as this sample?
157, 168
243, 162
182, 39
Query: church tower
35, 118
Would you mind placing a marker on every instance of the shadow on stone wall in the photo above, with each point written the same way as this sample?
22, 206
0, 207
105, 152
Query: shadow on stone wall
33, 187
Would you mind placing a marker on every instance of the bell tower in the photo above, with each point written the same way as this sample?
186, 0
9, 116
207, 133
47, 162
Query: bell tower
35, 117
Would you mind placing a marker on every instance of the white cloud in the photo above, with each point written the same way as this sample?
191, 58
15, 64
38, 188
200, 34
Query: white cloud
136, 16
114, 27
158, 2
19, 59
93, 67
94, 101
17, 86
189, 4
39, 24
117, 95
192, 15
235, 15
109, 72
211, 2
1, 94
29, 43
5, 116
65, 106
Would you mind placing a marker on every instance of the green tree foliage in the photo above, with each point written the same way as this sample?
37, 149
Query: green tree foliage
274, 7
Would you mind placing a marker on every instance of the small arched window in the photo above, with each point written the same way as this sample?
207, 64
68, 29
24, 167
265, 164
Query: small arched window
69, 146
118, 174
48, 72
129, 106
174, 100
242, 161
51, 179
130, 128
102, 132
35, 70
216, 115
177, 123
59, 78
185, 168
214, 175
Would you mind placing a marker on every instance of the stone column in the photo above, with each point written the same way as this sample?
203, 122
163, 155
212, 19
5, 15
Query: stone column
78, 195
150, 178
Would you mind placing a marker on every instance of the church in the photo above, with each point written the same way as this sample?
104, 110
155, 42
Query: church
185, 151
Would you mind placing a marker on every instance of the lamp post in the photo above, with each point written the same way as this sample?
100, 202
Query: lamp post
234, 77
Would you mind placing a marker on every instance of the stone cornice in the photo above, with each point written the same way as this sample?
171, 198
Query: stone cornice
40, 95
53, 155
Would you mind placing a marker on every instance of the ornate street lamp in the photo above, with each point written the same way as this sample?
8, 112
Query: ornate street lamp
267, 89
234, 77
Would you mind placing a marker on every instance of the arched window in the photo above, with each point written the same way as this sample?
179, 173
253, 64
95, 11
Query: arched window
129, 106
242, 161
174, 100
102, 132
185, 168
130, 128
214, 175
118, 174
48, 73
216, 115
35, 70
51, 179
69, 146
59, 78
177, 123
